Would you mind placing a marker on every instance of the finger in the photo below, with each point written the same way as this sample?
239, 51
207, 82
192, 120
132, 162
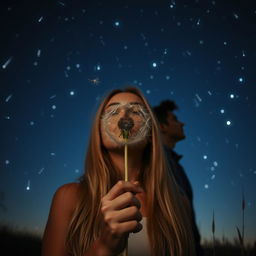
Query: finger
119, 229
121, 187
125, 200
128, 214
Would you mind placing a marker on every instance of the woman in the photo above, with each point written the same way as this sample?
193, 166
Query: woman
99, 214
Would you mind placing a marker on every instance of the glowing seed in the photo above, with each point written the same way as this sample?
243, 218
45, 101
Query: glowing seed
31, 123
38, 53
201, 42
228, 123
28, 185
198, 22
77, 65
76, 171
125, 47
243, 53
232, 96
205, 156
35, 63
72, 93
4, 66
240, 79
210, 93
98, 67
94, 81
165, 51
167, 77
117, 23
212, 168
196, 103
7, 162
225, 43
41, 170
52, 97
61, 3
40, 19
148, 91
222, 111
154, 64
235, 15
198, 97
206, 186
213, 177
8, 98
54, 107
151, 77
68, 67
7, 117
215, 163
53, 154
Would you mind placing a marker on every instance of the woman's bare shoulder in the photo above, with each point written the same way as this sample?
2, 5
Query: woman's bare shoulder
67, 194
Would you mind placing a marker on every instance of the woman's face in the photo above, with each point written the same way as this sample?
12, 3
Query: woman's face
124, 108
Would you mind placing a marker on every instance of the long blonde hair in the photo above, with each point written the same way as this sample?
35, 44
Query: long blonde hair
168, 221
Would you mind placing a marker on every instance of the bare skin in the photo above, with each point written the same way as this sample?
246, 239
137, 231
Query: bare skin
122, 207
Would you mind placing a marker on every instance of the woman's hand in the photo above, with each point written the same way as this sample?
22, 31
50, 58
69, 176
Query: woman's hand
121, 216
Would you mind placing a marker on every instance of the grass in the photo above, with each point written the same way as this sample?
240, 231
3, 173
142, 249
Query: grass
19, 243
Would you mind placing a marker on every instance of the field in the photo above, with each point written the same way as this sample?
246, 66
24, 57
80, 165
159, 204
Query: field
21, 243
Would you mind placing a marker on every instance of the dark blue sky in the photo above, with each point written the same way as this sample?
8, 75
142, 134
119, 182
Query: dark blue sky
58, 58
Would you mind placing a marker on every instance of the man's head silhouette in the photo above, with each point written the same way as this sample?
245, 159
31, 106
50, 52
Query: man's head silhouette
170, 126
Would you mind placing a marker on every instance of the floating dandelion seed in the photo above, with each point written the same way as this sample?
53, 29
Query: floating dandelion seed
4, 66
38, 53
8, 98
72, 93
52, 97
205, 156
135, 112
94, 81
40, 19
198, 97
222, 111
7, 162
28, 185
154, 65
40, 171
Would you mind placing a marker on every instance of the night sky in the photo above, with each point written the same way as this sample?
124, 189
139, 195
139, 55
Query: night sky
58, 58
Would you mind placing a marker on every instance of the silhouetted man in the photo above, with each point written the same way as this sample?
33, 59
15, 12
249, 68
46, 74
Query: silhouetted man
172, 132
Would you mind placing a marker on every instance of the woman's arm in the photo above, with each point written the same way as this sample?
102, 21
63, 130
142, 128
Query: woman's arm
62, 208
116, 228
